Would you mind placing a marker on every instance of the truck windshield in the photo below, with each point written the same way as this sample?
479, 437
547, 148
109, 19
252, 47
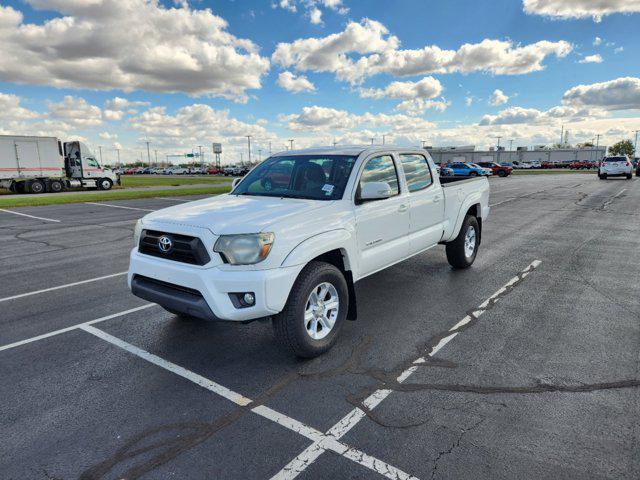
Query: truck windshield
316, 177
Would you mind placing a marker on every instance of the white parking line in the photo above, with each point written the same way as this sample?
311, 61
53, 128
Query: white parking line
44, 290
119, 206
312, 452
327, 442
30, 216
74, 327
172, 199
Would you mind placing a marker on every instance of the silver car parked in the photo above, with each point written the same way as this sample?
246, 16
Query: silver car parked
618, 166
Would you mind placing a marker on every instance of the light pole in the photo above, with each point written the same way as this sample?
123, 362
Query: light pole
248, 148
598, 145
498, 149
269, 147
510, 149
241, 161
291, 142
148, 153
100, 149
259, 155
371, 140
156, 154
201, 157
635, 148
118, 152
384, 138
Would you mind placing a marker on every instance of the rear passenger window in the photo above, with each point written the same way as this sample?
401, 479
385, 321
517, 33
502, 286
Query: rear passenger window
416, 171
381, 169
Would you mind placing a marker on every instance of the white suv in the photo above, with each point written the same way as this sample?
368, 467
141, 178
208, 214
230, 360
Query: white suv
615, 167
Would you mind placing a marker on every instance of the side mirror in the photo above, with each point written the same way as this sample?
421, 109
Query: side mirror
375, 191
235, 183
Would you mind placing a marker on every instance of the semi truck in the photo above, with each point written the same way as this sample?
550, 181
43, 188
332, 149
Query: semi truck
31, 164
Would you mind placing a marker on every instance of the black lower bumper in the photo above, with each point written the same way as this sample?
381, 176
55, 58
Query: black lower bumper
172, 297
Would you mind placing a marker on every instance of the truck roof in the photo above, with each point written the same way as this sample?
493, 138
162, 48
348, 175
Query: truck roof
347, 150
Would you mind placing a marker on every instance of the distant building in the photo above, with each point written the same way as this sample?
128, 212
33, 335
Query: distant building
469, 154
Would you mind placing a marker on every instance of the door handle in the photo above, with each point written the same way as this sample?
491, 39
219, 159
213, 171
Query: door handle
436, 199
403, 208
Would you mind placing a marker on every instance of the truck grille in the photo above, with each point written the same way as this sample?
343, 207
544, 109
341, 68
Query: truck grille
183, 248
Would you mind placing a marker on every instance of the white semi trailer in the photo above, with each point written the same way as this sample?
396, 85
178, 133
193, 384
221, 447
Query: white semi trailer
45, 164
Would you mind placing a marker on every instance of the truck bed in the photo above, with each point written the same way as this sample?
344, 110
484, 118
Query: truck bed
461, 193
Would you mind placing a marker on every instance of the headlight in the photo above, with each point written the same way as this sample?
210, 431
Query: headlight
244, 249
136, 233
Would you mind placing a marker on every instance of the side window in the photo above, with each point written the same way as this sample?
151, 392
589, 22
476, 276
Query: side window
92, 163
416, 171
381, 169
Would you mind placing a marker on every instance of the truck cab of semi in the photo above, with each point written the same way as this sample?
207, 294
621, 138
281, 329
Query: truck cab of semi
81, 165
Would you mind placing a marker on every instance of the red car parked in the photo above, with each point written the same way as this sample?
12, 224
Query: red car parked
497, 169
581, 165
215, 171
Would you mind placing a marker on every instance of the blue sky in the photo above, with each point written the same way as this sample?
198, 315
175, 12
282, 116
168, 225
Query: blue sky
512, 78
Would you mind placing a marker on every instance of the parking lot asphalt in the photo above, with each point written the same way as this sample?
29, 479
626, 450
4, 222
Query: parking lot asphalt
524, 366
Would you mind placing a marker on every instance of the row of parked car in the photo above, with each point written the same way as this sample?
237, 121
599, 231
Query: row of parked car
227, 171
481, 169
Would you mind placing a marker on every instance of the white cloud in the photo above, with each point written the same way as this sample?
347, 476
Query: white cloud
498, 98
118, 107
618, 50
597, 58
377, 51
315, 16
580, 8
428, 88
620, 94
312, 8
108, 136
10, 108
597, 41
76, 112
295, 84
128, 45
324, 119
418, 106
468, 101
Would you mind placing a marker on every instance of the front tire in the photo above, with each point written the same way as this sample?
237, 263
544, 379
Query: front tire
461, 252
629, 176
104, 184
317, 306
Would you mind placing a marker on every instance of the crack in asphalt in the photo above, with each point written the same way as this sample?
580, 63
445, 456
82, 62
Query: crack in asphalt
453, 446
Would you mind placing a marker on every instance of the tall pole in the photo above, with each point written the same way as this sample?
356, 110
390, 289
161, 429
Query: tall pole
598, 146
423, 143
156, 153
383, 139
201, 157
334, 143
248, 148
241, 158
259, 155
148, 153
510, 149
635, 148
269, 147
100, 149
371, 140
561, 135
291, 142
118, 152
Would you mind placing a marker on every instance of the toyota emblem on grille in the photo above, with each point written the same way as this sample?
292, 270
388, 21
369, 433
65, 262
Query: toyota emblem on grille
165, 244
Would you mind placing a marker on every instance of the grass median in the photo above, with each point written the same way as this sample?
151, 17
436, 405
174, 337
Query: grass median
34, 201
551, 171
129, 181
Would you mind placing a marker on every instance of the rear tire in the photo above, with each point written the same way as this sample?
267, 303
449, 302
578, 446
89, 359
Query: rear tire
461, 252
36, 187
502, 173
297, 328
473, 174
56, 186
629, 176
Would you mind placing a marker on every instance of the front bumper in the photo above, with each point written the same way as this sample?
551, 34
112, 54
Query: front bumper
204, 292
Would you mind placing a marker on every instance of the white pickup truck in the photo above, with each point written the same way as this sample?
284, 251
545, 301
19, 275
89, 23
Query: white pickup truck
295, 234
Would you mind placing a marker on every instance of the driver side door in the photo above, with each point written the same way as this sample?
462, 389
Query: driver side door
382, 226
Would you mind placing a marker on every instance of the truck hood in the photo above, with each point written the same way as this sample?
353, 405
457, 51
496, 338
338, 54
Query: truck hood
232, 214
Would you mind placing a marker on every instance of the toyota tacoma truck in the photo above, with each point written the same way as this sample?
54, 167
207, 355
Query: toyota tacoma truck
293, 236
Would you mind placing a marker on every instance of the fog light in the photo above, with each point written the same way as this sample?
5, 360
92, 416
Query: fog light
249, 299
243, 299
